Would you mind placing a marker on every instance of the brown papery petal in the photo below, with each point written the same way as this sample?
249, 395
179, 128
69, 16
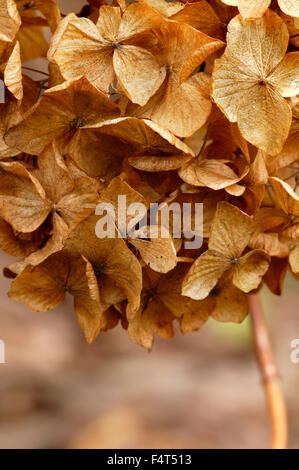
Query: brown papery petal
265, 119
152, 163
137, 19
155, 319
294, 259
15, 245
181, 108
77, 48
32, 42
54, 244
196, 317
138, 73
231, 304
41, 288
213, 174
144, 135
253, 8
51, 169
201, 16
259, 44
275, 276
231, 231
13, 73
204, 274
250, 269
22, 199
290, 7
286, 197
158, 253
285, 76
59, 114
166, 9
10, 20
51, 12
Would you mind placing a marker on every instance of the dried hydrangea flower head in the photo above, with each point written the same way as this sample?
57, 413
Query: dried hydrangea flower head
161, 103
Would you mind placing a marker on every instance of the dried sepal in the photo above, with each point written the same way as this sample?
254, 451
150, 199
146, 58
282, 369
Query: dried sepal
230, 234
108, 49
245, 82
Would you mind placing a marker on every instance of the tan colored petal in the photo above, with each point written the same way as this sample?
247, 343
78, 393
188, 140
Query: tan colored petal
12, 112
59, 114
137, 18
138, 73
109, 22
270, 243
111, 257
253, 8
182, 48
13, 270
51, 12
13, 73
22, 200
201, 16
285, 76
286, 197
214, 174
193, 319
153, 164
32, 42
79, 203
166, 9
98, 155
231, 303
258, 173
265, 119
231, 231
239, 140
294, 259
42, 288
82, 284
155, 319
158, 253
51, 169
275, 276
77, 48
54, 244
144, 135
10, 20
15, 244
231, 82
287, 156
259, 44
90, 316
290, 7
120, 187
180, 108
204, 274
169, 292
250, 270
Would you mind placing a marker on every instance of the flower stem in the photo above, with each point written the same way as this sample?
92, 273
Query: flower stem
274, 395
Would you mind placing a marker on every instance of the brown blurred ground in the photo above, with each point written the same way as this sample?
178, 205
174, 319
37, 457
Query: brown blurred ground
201, 390
198, 391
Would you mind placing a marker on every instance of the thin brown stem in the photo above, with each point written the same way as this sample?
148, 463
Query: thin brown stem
264, 354
35, 70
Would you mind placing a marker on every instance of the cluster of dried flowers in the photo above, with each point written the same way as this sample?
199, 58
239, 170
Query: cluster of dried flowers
185, 102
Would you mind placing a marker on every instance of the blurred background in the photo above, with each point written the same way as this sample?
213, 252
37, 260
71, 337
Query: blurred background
202, 390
